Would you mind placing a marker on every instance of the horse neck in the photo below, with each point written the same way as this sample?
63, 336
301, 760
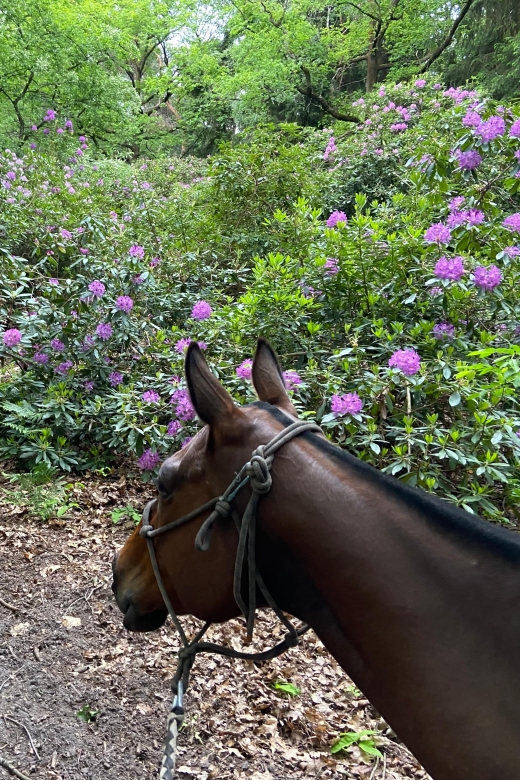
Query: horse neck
402, 601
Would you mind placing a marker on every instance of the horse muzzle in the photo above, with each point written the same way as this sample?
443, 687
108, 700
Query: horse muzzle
134, 619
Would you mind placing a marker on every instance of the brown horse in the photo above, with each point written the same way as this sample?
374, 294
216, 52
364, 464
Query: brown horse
417, 600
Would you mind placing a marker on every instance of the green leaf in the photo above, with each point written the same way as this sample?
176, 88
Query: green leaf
454, 399
286, 687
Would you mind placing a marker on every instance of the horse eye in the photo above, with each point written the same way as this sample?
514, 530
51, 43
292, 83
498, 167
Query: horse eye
161, 487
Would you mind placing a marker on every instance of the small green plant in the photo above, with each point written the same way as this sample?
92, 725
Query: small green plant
33, 491
363, 739
125, 512
286, 687
87, 714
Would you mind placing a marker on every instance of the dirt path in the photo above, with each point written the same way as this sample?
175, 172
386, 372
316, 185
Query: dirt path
64, 651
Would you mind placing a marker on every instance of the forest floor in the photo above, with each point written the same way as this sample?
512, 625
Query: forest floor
64, 656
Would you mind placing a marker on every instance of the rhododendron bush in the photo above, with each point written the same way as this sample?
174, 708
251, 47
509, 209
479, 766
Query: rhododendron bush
382, 263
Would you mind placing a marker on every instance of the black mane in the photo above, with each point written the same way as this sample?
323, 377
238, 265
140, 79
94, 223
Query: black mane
444, 516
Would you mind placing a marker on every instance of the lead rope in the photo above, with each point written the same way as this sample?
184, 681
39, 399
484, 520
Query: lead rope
257, 472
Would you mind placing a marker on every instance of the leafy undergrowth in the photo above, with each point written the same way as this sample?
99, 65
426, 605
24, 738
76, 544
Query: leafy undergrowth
95, 698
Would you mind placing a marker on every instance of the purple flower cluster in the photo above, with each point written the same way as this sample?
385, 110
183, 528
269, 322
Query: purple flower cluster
41, 357
291, 379
57, 345
350, 403
512, 251
438, 234
182, 345
124, 303
151, 397
12, 337
245, 369
456, 203
450, 268
330, 149
104, 330
407, 360
97, 288
469, 160
115, 378
184, 408
512, 222
398, 127
331, 266
65, 367
472, 119
136, 251
173, 428
471, 216
201, 310
487, 278
491, 128
149, 460
337, 217
443, 330
514, 130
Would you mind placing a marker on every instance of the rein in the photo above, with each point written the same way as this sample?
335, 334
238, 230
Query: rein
257, 472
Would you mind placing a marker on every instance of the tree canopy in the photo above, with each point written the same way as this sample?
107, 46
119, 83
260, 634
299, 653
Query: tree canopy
142, 77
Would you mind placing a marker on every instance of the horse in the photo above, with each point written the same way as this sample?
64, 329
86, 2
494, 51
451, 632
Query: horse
416, 599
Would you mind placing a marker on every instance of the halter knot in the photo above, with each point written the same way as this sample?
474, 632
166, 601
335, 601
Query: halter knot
145, 530
258, 471
223, 507
203, 538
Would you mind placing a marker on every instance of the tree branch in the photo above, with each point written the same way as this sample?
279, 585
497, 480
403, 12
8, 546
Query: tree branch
361, 10
430, 58
309, 92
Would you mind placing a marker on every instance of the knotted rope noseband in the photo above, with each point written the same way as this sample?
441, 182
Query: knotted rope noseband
257, 472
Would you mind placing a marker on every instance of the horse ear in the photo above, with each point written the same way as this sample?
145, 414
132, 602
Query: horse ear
210, 400
267, 378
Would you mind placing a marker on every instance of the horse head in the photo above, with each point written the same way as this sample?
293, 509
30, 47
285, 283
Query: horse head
199, 583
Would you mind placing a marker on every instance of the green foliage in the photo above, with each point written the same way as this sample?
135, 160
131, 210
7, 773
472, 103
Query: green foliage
247, 233
87, 714
286, 687
125, 512
364, 740
43, 492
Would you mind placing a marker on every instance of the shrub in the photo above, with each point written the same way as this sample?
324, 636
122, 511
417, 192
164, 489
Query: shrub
397, 319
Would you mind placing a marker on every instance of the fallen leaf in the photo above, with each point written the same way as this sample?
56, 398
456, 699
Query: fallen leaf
71, 622
20, 629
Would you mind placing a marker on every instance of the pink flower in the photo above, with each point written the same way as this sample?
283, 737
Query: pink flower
136, 251
514, 130
406, 360
149, 460
201, 310
151, 397
104, 330
124, 303
512, 223
337, 217
173, 428
450, 268
291, 379
12, 337
331, 266
245, 369
438, 234
420, 83
182, 345
487, 278
350, 403
97, 288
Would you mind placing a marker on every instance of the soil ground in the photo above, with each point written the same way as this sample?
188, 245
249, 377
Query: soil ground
64, 651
